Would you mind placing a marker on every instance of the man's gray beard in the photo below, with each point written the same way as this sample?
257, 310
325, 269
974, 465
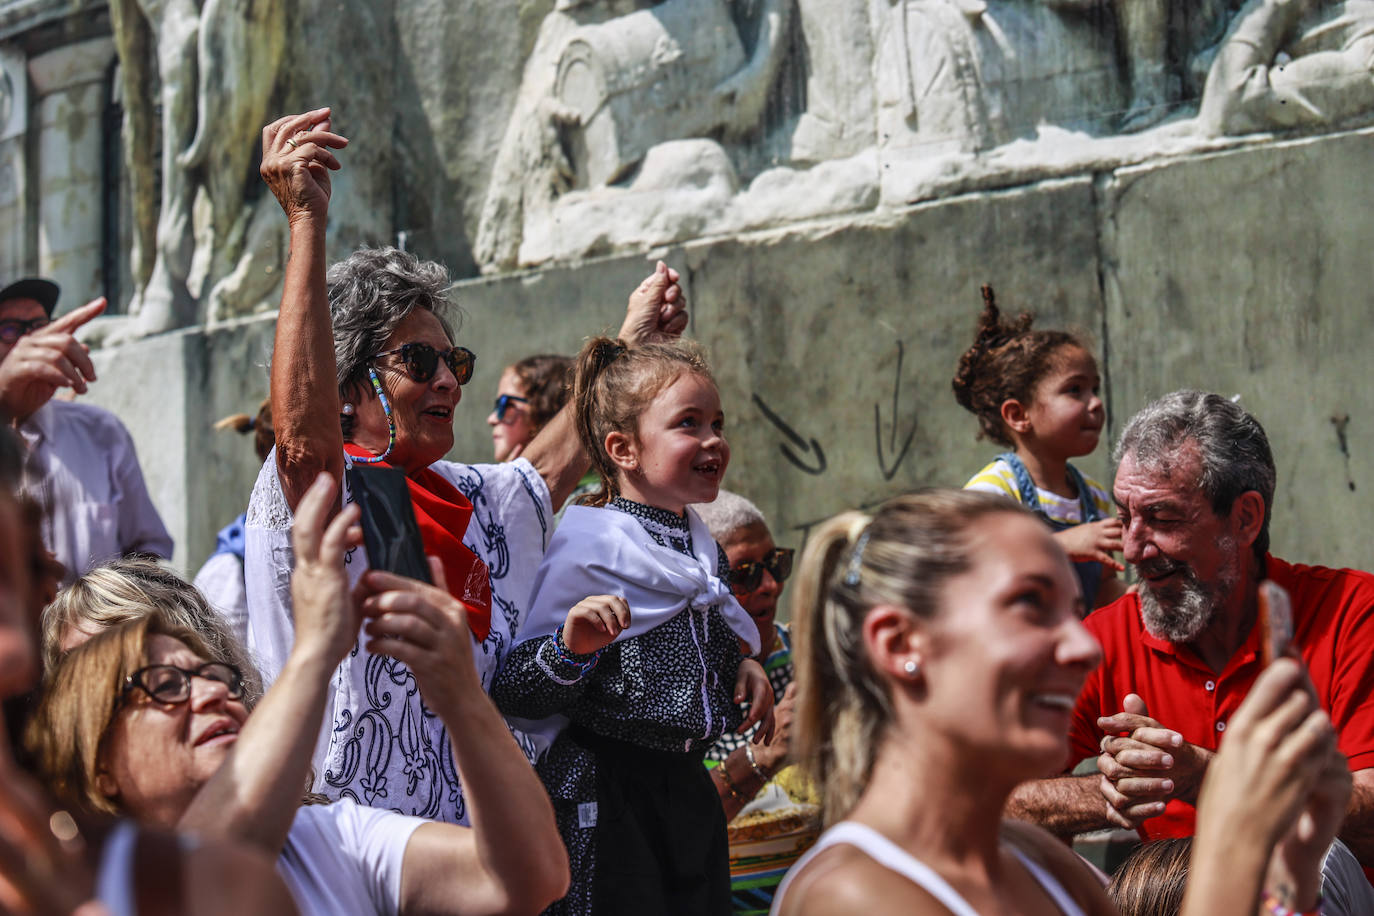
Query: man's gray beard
1191, 603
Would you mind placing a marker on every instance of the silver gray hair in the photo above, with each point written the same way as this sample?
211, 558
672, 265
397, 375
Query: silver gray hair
370, 293
727, 514
1231, 444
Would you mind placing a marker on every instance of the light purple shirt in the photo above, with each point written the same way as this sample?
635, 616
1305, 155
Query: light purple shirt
83, 468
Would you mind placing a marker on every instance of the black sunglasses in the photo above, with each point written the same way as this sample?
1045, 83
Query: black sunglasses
746, 577
170, 684
422, 361
13, 329
505, 402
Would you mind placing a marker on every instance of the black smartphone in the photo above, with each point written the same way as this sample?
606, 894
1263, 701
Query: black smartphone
390, 532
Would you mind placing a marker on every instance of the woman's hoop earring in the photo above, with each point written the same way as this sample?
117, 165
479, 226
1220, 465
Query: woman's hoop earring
390, 420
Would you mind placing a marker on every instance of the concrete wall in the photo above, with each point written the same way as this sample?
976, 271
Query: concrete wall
1241, 272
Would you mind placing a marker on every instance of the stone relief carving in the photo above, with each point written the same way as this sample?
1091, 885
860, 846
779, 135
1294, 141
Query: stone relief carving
617, 93
1291, 63
217, 64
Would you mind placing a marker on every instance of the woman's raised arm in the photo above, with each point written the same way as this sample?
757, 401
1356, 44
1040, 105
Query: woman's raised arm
296, 162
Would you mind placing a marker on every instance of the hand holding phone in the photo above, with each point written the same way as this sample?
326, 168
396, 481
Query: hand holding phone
390, 532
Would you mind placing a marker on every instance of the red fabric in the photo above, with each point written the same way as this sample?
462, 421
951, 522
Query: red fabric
443, 513
1333, 623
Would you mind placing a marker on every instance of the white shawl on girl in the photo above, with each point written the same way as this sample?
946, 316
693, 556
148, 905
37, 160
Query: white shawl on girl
607, 552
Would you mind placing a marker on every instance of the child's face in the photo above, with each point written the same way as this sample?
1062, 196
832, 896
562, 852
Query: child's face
1066, 410
679, 454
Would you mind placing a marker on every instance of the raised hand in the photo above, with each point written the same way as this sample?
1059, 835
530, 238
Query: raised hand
426, 629
297, 160
1093, 541
324, 611
594, 623
45, 360
752, 687
657, 310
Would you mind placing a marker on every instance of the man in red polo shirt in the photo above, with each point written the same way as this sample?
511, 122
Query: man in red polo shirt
1194, 488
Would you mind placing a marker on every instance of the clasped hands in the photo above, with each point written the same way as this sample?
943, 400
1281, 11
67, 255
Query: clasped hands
1144, 765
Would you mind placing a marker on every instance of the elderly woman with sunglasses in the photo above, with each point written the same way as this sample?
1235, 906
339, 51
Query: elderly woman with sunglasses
365, 371
147, 720
758, 569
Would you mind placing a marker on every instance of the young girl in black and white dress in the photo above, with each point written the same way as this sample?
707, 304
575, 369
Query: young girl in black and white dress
636, 682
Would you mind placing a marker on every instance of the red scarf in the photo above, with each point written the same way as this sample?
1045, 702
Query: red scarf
443, 513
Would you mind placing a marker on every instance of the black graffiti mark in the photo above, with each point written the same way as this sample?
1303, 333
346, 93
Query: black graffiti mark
796, 439
889, 473
1341, 422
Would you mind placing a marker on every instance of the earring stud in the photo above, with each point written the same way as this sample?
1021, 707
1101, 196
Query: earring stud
348, 409
910, 666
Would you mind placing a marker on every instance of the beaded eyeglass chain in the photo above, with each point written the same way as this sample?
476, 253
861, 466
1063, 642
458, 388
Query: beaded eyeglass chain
390, 420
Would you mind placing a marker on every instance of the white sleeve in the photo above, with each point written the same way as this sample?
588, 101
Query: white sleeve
376, 839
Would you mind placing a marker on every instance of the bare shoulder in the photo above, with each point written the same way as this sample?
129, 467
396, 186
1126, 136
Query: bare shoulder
1084, 883
843, 880
231, 879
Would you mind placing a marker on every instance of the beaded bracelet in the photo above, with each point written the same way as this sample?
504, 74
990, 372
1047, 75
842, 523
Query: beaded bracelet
758, 770
1273, 905
583, 663
730, 784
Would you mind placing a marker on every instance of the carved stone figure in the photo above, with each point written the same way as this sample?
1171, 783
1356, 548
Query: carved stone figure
1289, 64
613, 96
216, 68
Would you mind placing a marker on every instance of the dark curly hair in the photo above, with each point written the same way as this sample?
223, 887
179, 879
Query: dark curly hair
547, 381
1007, 360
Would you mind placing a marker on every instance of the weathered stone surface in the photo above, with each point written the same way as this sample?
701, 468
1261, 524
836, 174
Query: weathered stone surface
834, 342
1263, 299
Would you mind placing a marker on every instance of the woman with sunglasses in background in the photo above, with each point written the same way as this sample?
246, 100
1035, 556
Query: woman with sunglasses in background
365, 371
529, 395
739, 768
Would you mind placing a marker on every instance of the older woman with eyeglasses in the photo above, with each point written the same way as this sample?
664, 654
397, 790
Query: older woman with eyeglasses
366, 371
147, 720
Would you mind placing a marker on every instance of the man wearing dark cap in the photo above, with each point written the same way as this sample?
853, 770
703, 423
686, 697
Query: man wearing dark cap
82, 465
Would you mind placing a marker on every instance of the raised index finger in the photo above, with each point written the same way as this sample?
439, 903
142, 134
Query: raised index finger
77, 317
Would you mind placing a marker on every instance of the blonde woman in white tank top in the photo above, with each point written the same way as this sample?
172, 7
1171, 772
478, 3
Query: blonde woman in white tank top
939, 654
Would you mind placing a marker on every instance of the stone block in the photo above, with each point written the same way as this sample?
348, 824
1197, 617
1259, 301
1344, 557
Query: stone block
1247, 272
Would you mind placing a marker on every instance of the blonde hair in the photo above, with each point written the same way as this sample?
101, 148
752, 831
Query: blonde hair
613, 384
131, 589
901, 555
79, 704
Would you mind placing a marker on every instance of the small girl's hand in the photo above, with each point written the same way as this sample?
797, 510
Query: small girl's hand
1093, 541
594, 623
752, 687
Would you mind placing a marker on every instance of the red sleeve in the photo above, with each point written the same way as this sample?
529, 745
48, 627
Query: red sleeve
1084, 735
1352, 678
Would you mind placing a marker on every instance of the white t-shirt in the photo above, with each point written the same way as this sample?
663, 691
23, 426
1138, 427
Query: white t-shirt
380, 745
220, 580
345, 858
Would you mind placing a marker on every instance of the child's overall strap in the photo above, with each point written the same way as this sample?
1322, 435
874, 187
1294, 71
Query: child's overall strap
1027, 492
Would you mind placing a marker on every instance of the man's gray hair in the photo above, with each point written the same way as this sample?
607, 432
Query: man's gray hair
370, 293
1233, 448
727, 514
